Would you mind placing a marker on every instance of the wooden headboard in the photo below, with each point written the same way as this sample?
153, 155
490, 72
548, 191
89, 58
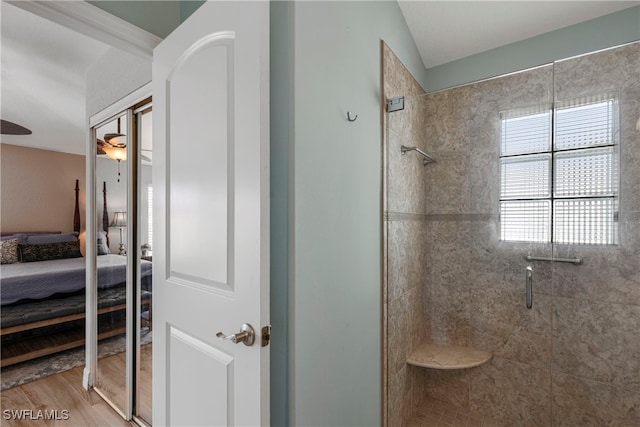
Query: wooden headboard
105, 212
76, 212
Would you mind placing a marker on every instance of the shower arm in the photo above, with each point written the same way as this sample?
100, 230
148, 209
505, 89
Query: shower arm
427, 158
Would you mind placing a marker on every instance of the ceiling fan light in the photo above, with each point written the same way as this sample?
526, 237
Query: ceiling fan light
115, 153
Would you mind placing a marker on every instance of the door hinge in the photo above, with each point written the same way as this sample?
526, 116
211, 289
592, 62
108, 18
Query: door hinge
266, 335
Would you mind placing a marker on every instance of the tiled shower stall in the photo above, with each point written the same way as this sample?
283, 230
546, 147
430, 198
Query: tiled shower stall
573, 359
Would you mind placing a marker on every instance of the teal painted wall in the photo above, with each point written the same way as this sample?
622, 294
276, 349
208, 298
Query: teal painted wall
599, 33
187, 7
281, 71
157, 17
335, 252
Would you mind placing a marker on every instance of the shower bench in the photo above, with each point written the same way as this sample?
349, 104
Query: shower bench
447, 356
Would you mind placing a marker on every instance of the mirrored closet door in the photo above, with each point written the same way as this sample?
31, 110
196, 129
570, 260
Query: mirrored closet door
143, 349
123, 261
112, 211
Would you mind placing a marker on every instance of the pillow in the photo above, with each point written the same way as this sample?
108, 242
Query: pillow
39, 239
103, 249
22, 238
9, 251
47, 251
33, 233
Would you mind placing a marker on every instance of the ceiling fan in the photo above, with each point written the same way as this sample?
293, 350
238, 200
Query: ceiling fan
114, 145
10, 128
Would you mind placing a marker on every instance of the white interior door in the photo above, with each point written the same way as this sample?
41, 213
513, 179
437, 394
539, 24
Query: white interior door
211, 217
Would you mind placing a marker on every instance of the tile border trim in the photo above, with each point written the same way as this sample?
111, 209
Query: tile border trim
471, 217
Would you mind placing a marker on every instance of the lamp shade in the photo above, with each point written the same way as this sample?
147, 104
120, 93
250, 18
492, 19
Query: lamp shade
119, 219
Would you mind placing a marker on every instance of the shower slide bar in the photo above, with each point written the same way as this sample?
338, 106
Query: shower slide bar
427, 158
576, 261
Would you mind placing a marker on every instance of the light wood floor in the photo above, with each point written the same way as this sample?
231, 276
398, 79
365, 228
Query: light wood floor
110, 380
59, 392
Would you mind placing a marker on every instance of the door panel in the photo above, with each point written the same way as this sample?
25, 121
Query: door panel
211, 217
195, 364
200, 102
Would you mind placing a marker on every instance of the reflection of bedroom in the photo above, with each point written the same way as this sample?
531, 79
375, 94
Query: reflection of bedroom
38, 211
65, 79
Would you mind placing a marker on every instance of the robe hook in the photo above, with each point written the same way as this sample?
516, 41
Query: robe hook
349, 117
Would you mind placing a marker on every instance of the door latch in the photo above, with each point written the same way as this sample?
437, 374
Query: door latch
266, 335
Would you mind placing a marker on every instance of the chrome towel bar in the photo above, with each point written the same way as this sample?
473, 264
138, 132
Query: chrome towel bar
576, 261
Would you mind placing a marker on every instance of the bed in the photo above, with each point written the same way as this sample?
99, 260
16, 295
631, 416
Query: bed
43, 294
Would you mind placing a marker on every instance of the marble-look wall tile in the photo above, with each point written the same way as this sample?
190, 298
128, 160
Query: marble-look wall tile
597, 340
448, 253
496, 264
409, 123
419, 325
611, 70
610, 274
399, 398
396, 79
399, 337
632, 416
616, 68
587, 403
448, 314
488, 99
407, 328
511, 392
448, 115
501, 323
484, 182
585, 320
449, 386
405, 245
407, 253
629, 104
406, 178
447, 184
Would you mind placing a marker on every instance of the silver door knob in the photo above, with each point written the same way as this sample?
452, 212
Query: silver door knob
246, 335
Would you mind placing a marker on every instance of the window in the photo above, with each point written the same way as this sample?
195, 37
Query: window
559, 172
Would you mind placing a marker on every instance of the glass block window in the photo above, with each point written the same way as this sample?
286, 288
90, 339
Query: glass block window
559, 172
